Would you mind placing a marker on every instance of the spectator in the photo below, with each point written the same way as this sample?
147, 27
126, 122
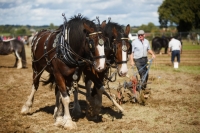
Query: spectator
198, 39
175, 49
188, 37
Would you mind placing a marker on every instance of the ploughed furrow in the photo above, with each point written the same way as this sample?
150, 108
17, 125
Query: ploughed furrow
188, 57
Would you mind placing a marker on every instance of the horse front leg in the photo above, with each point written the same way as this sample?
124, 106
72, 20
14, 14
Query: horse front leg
59, 108
69, 124
66, 120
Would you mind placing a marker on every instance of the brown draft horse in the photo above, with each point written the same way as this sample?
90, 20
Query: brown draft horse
63, 53
17, 47
117, 50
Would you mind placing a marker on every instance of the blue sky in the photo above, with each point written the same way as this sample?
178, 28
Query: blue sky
44, 12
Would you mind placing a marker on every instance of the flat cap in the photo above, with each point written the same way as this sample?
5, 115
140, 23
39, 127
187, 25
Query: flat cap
140, 32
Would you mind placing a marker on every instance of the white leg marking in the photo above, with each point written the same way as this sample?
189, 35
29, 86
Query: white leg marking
69, 124
19, 64
29, 102
54, 113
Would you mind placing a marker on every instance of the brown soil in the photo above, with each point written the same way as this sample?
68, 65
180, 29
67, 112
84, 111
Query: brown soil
173, 106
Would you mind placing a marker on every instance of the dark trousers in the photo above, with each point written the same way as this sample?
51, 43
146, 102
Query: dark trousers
141, 67
175, 53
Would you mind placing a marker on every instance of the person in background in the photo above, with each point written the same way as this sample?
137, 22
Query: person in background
140, 50
198, 39
175, 49
1, 38
188, 37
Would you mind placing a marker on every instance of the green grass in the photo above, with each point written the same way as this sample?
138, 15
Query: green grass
188, 69
4, 34
189, 46
183, 69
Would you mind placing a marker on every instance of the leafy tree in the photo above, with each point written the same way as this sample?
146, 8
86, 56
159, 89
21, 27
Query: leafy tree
51, 26
150, 27
185, 14
22, 31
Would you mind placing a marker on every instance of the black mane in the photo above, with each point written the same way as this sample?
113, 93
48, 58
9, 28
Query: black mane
108, 30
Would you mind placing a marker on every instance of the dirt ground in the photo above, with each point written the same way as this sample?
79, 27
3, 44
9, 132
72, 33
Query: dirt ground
173, 106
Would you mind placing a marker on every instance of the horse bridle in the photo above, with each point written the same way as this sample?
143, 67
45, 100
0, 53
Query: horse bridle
92, 45
124, 48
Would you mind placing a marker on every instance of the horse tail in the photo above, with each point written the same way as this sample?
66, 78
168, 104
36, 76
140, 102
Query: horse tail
23, 56
50, 80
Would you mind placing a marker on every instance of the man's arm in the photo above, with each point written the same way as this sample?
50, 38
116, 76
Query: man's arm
151, 52
131, 59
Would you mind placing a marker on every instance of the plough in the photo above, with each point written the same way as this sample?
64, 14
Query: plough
134, 87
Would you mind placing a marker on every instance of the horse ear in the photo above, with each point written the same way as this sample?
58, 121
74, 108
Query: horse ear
128, 28
114, 32
87, 28
103, 24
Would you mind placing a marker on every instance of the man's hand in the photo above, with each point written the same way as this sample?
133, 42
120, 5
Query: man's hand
132, 63
153, 56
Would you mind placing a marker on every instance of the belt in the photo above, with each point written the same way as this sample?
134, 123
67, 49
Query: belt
139, 58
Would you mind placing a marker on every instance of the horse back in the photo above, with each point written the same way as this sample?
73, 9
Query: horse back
42, 43
6, 48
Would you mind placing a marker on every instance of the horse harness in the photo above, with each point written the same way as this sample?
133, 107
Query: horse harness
124, 48
114, 49
63, 50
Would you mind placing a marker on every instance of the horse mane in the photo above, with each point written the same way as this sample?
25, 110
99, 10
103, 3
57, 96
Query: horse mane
109, 27
77, 19
76, 29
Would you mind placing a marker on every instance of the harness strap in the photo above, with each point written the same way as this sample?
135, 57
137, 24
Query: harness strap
45, 48
99, 57
43, 68
121, 62
44, 32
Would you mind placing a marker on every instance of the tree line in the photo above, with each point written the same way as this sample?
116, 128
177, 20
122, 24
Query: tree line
184, 14
22, 30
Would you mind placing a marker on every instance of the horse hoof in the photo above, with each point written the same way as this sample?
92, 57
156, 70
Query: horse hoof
59, 122
25, 110
70, 125
19, 67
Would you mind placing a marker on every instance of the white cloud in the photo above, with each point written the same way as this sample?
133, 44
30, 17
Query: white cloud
44, 12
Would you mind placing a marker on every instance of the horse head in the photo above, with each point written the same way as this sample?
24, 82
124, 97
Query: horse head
96, 47
95, 44
121, 49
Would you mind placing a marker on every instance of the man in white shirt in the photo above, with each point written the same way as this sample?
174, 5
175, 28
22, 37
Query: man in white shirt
175, 48
140, 50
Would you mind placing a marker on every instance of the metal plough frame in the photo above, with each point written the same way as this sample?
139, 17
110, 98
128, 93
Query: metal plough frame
134, 86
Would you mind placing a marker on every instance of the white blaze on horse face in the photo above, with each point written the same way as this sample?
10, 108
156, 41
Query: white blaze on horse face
124, 69
101, 65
